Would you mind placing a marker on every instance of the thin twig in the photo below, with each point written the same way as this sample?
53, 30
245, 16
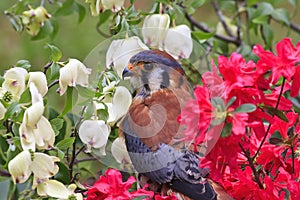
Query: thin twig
53, 83
295, 27
251, 164
269, 127
74, 134
47, 66
85, 159
200, 26
221, 18
4, 173
239, 21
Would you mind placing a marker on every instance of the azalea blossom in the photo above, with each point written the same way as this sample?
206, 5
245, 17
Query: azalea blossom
111, 186
74, 72
14, 81
94, 133
120, 51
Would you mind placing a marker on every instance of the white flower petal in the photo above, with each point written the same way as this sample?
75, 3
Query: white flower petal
119, 151
2, 111
154, 29
43, 166
178, 42
27, 137
120, 52
40, 81
14, 81
36, 97
120, 104
44, 134
33, 114
94, 133
53, 188
74, 72
18, 167
113, 5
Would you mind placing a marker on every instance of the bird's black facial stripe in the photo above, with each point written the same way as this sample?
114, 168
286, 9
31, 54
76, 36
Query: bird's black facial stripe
165, 80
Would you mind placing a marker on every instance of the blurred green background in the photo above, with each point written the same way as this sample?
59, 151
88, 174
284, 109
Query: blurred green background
78, 39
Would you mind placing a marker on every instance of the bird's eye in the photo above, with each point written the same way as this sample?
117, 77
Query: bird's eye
148, 66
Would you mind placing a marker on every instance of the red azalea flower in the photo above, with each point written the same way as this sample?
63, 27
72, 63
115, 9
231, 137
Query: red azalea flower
282, 64
283, 126
170, 197
111, 187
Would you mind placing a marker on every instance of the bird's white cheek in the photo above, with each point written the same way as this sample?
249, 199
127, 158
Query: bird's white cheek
136, 82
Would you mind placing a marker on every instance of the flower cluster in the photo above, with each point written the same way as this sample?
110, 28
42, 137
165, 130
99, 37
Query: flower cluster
247, 128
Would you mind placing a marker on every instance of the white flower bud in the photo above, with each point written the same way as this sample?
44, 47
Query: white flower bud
120, 52
178, 42
14, 81
120, 104
74, 72
154, 29
19, 167
44, 134
43, 166
40, 81
113, 5
94, 133
119, 151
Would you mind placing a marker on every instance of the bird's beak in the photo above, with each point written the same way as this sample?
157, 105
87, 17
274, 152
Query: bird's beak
127, 72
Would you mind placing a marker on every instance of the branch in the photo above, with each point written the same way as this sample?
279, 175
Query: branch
4, 173
251, 164
221, 18
295, 27
195, 23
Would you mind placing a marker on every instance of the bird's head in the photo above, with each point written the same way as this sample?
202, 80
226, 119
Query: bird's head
152, 70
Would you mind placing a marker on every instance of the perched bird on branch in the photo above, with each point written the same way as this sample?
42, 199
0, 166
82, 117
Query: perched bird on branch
153, 136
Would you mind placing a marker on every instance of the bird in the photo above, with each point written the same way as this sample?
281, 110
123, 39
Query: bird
153, 136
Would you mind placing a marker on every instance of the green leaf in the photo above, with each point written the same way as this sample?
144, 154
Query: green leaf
261, 19
226, 131
85, 92
263, 9
65, 143
24, 64
276, 112
57, 124
251, 2
45, 31
15, 21
12, 110
197, 3
276, 138
245, 108
67, 8
103, 17
200, 35
63, 174
103, 114
81, 12
25, 97
230, 102
72, 96
53, 72
282, 15
55, 53
268, 35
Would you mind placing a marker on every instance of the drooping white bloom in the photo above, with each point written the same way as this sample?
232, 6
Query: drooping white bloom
178, 42
19, 167
154, 29
44, 134
2, 111
40, 164
94, 133
40, 81
56, 189
113, 5
120, 52
43, 166
120, 104
119, 151
74, 72
14, 81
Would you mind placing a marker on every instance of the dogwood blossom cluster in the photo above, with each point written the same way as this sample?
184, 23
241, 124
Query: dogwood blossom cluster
248, 128
156, 34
